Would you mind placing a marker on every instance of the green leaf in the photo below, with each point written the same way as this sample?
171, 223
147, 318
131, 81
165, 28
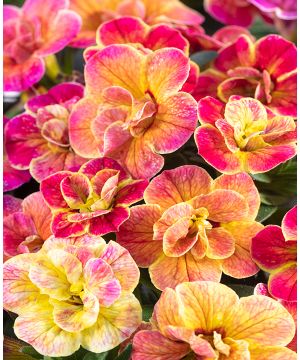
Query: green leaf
29, 350
147, 312
203, 58
125, 355
260, 28
265, 211
242, 290
93, 356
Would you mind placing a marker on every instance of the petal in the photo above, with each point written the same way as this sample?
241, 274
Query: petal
115, 324
50, 188
62, 227
174, 123
210, 110
222, 205
122, 264
221, 243
208, 82
283, 282
136, 234
289, 225
80, 122
212, 147
167, 71
236, 86
261, 320
92, 167
132, 192
11, 205
105, 181
178, 185
153, 345
271, 242
13, 178
74, 317
76, 190
169, 271
272, 353
38, 329
241, 264
243, 184
100, 281
110, 222
18, 291
116, 65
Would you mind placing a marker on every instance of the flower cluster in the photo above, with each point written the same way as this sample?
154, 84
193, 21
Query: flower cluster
176, 146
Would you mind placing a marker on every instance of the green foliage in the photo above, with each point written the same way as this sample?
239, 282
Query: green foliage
265, 211
29, 350
203, 58
125, 355
260, 28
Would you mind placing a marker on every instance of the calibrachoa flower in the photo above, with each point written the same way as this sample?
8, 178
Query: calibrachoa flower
274, 249
95, 12
134, 110
26, 224
193, 227
291, 306
206, 320
73, 292
265, 69
39, 29
242, 136
39, 138
94, 200
283, 9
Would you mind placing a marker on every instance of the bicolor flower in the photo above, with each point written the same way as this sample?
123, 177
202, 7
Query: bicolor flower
96, 12
243, 135
206, 320
265, 70
274, 249
40, 28
39, 138
193, 227
291, 306
26, 224
134, 109
73, 292
94, 200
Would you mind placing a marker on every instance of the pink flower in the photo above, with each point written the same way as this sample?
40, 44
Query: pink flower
265, 70
26, 224
96, 12
274, 249
134, 109
243, 136
39, 138
291, 306
39, 29
94, 200
283, 9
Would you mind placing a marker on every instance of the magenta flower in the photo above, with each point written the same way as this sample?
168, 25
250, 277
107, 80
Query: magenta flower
94, 200
26, 224
274, 249
283, 9
39, 29
39, 138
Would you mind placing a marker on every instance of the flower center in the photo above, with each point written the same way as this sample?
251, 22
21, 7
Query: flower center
199, 222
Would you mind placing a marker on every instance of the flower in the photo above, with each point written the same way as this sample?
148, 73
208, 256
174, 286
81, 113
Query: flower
94, 200
265, 70
133, 31
243, 136
39, 29
274, 249
73, 292
26, 224
208, 321
134, 110
193, 227
285, 10
291, 306
96, 12
39, 138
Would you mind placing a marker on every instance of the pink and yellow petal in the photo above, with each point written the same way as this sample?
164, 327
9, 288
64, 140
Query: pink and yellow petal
289, 225
221, 244
210, 110
272, 353
131, 193
76, 189
62, 227
283, 282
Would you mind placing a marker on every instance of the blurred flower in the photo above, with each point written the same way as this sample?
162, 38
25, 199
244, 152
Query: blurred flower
208, 321
72, 293
96, 12
40, 28
39, 138
94, 200
274, 249
133, 109
193, 227
291, 306
265, 70
26, 224
243, 136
